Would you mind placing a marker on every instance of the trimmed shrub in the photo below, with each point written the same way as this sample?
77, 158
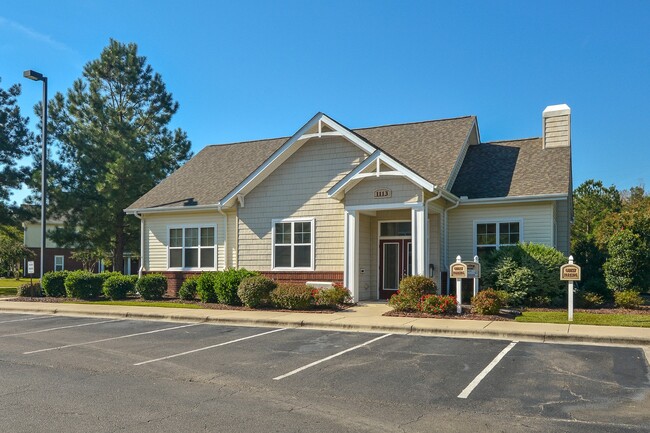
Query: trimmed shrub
187, 291
628, 299
255, 291
589, 300
487, 302
118, 286
504, 296
411, 290
292, 296
227, 282
29, 290
152, 286
83, 285
530, 273
205, 287
332, 297
54, 283
437, 304
108, 274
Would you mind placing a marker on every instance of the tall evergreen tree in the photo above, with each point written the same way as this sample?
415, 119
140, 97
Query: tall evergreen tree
15, 138
114, 144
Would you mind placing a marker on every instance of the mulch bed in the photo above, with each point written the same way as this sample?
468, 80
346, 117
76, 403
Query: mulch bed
464, 316
209, 306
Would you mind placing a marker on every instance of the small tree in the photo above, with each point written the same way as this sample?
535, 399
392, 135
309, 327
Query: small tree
623, 268
12, 251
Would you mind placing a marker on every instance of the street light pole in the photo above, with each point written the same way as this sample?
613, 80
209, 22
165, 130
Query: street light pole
35, 76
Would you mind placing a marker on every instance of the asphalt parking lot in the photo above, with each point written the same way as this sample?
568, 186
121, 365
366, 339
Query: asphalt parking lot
104, 375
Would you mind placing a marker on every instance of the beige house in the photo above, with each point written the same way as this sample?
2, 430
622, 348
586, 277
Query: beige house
363, 207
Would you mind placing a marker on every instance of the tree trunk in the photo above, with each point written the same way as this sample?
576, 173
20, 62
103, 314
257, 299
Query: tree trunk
120, 241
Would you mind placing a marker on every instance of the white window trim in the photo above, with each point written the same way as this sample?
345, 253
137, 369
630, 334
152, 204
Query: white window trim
313, 244
62, 263
194, 226
497, 221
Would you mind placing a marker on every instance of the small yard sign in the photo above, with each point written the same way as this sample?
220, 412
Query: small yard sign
458, 270
473, 269
570, 272
30, 267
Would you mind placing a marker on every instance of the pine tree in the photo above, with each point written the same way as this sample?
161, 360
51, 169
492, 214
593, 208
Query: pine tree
113, 145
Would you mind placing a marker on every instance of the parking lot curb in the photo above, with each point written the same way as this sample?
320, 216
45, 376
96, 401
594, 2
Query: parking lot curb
323, 322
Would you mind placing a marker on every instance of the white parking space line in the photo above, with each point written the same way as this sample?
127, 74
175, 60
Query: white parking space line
468, 390
60, 327
298, 370
209, 347
108, 339
29, 318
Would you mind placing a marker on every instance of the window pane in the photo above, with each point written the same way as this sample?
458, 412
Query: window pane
192, 237
282, 256
302, 256
302, 232
396, 229
486, 234
481, 252
207, 236
191, 257
508, 233
391, 266
176, 258
283, 233
175, 237
207, 257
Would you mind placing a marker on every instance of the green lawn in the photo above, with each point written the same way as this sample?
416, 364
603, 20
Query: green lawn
641, 320
138, 304
13, 283
7, 291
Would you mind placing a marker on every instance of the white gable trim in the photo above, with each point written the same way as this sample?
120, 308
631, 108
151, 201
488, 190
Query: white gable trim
378, 157
290, 147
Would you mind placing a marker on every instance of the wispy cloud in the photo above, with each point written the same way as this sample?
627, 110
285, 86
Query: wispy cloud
33, 34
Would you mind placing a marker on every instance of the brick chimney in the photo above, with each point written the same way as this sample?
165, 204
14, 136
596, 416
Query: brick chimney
556, 126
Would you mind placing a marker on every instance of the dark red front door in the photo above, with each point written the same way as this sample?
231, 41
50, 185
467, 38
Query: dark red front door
394, 264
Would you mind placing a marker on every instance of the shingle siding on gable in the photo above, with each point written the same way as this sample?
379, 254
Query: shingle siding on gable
298, 188
402, 190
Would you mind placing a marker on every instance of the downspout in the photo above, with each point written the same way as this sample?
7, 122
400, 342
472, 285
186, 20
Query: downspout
139, 216
446, 240
426, 229
225, 238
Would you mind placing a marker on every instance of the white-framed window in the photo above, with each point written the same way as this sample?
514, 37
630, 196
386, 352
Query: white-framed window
490, 235
59, 263
293, 244
192, 247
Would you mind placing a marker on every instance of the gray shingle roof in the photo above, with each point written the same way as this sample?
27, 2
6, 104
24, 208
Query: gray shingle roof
513, 168
429, 148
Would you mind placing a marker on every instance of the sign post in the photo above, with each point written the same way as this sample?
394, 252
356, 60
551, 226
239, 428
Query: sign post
30, 271
458, 270
570, 272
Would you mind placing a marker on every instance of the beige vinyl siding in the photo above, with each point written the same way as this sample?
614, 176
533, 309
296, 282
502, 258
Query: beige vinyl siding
556, 131
298, 188
403, 191
434, 247
562, 225
537, 220
156, 235
32, 235
366, 291
231, 255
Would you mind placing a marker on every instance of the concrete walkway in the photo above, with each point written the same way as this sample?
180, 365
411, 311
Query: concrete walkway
366, 317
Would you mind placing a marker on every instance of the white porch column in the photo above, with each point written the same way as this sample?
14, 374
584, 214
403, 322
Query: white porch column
351, 254
418, 231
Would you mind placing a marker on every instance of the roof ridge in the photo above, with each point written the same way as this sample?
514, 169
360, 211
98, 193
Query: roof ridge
514, 139
415, 123
245, 142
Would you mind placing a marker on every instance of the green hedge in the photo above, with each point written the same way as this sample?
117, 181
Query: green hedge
255, 291
292, 296
118, 286
227, 282
152, 286
83, 285
205, 287
54, 283
188, 288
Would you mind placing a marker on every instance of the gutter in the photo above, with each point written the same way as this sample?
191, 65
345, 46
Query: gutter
174, 209
446, 240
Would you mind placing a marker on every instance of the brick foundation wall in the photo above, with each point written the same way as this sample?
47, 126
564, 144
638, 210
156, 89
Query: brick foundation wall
175, 278
68, 263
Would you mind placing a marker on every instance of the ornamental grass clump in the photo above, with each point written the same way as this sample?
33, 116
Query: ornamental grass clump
411, 290
54, 283
437, 304
255, 291
292, 296
487, 302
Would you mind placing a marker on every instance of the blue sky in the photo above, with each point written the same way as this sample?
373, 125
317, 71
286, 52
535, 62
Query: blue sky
245, 70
